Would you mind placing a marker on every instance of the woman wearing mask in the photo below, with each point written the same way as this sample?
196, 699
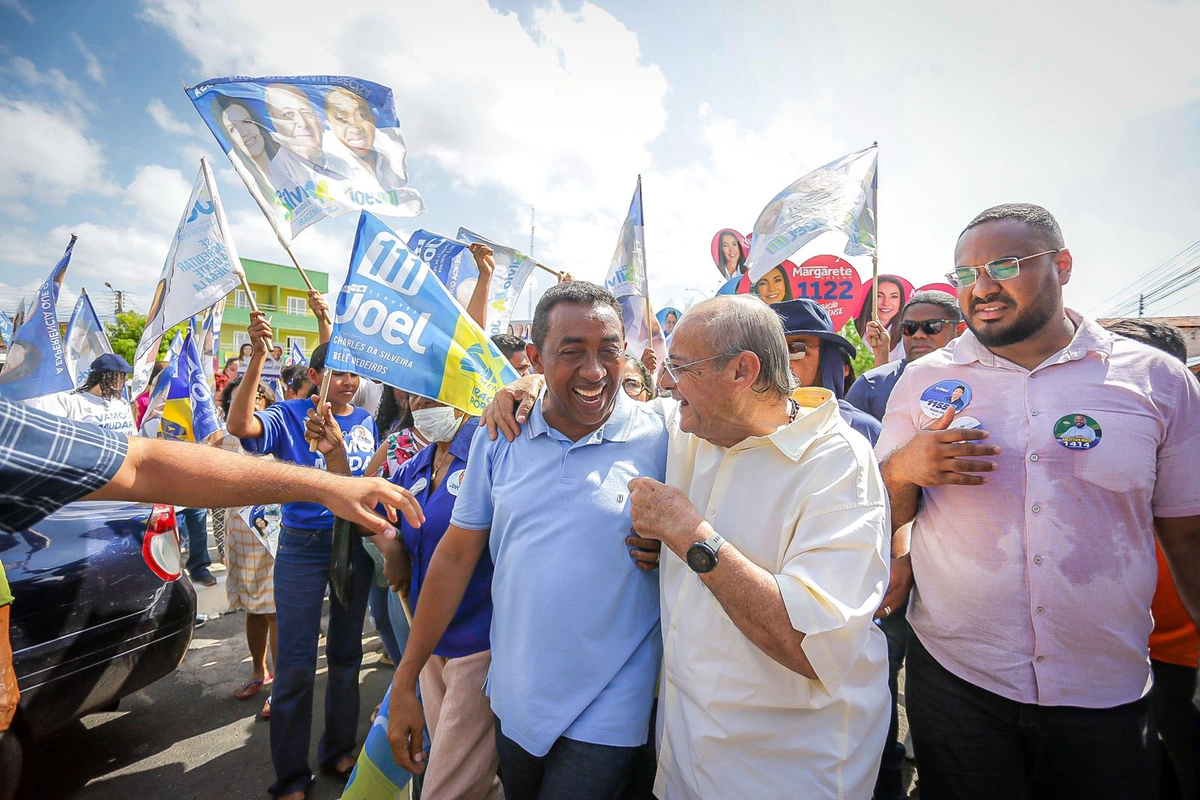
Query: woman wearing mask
302, 567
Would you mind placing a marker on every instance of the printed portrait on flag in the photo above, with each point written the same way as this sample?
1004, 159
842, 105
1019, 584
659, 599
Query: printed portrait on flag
311, 147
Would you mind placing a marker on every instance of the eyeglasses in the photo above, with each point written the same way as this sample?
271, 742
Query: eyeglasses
1002, 269
798, 350
930, 326
634, 387
675, 370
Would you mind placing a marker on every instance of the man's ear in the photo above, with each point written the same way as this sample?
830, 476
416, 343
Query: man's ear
1064, 263
535, 358
746, 369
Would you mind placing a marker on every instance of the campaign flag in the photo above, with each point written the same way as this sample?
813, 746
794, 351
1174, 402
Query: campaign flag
86, 339
36, 364
189, 413
60, 269
838, 197
298, 357
202, 267
513, 268
265, 522
311, 147
396, 323
450, 260
628, 282
162, 385
6, 328
19, 317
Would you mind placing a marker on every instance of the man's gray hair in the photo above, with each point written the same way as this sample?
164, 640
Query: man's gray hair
746, 324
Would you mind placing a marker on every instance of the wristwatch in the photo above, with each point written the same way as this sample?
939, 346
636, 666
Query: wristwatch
702, 556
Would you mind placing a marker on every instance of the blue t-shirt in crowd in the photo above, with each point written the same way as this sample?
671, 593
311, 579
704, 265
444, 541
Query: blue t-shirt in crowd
283, 437
871, 391
468, 631
575, 637
864, 423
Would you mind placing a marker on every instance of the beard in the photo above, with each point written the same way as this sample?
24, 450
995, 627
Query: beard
1025, 323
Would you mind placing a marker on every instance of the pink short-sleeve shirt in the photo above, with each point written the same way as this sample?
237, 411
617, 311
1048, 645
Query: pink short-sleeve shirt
1037, 585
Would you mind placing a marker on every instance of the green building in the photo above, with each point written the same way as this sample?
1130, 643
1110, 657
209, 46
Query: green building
281, 295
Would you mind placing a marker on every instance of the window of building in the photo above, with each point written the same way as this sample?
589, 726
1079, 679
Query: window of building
297, 306
300, 342
240, 338
241, 301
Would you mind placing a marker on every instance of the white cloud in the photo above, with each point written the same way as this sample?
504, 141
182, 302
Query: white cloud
46, 156
165, 118
54, 83
21, 11
91, 63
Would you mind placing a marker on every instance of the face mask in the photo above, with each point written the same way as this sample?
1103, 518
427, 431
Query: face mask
435, 424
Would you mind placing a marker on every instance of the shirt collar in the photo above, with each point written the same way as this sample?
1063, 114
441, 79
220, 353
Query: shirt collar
1090, 337
615, 429
818, 411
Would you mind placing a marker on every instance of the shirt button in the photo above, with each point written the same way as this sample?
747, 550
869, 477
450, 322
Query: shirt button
1033, 457
1040, 659
1037, 559
1036, 509
1034, 412
733, 454
711, 510
1040, 610
675, 625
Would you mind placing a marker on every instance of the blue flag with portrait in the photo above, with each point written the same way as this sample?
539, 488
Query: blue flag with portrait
36, 364
311, 147
6, 328
449, 259
397, 324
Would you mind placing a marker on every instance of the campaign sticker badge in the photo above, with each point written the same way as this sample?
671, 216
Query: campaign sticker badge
418, 486
454, 481
943, 394
965, 423
1077, 432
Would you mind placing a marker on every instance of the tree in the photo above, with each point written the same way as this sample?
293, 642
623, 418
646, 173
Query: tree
865, 359
126, 332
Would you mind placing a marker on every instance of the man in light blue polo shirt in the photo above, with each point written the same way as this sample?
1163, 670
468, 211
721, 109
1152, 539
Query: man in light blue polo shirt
575, 628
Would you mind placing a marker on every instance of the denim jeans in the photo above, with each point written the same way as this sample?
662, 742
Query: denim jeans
378, 605
301, 575
888, 784
572, 770
973, 744
193, 526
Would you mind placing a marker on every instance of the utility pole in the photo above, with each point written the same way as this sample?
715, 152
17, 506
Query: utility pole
1141, 304
533, 278
119, 296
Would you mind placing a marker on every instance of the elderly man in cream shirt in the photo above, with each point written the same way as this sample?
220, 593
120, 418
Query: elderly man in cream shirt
774, 515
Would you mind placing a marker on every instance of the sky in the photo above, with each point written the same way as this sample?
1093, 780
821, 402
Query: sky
561, 105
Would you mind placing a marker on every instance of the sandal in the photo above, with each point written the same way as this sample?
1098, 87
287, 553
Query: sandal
249, 689
265, 714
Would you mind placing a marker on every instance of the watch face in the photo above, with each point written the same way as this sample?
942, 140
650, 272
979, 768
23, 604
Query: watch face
699, 558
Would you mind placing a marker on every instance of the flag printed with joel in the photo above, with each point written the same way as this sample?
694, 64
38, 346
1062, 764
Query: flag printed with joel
628, 282
396, 323
86, 339
311, 147
189, 413
201, 268
513, 268
36, 364
838, 197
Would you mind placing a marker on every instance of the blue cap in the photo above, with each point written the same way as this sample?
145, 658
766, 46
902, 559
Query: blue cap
804, 317
111, 362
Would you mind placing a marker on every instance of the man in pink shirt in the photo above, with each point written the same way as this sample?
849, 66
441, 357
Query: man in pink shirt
1032, 544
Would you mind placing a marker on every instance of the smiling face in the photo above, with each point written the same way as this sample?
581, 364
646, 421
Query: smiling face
772, 287
1004, 313
888, 299
342, 386
296, 123
731, 251
581, 361
1080, 421
351, 121
669, 323
243, 131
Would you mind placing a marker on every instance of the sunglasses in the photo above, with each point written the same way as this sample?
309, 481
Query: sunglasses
930, 326
798, 350
1002, 269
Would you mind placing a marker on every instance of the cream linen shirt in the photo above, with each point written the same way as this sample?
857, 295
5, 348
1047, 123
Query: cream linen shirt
807, 504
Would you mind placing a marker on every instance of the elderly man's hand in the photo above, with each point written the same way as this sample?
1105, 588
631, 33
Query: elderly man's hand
664, 513
938, 456
900, 583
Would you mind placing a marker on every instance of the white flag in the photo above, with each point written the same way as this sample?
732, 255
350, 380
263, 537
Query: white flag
627, 280
86, 339
201, 268
513, 268
839, 196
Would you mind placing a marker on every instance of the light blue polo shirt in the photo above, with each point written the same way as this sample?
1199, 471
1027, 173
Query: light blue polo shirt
575, 635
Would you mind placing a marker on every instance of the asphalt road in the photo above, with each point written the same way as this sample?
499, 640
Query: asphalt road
185, 736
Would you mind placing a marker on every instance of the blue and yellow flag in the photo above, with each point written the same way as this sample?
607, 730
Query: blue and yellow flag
189, 414
397, 323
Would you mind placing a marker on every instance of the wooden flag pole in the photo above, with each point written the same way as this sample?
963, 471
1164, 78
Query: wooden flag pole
250, 298
875, 252
553, 272
326, 373
407, 610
